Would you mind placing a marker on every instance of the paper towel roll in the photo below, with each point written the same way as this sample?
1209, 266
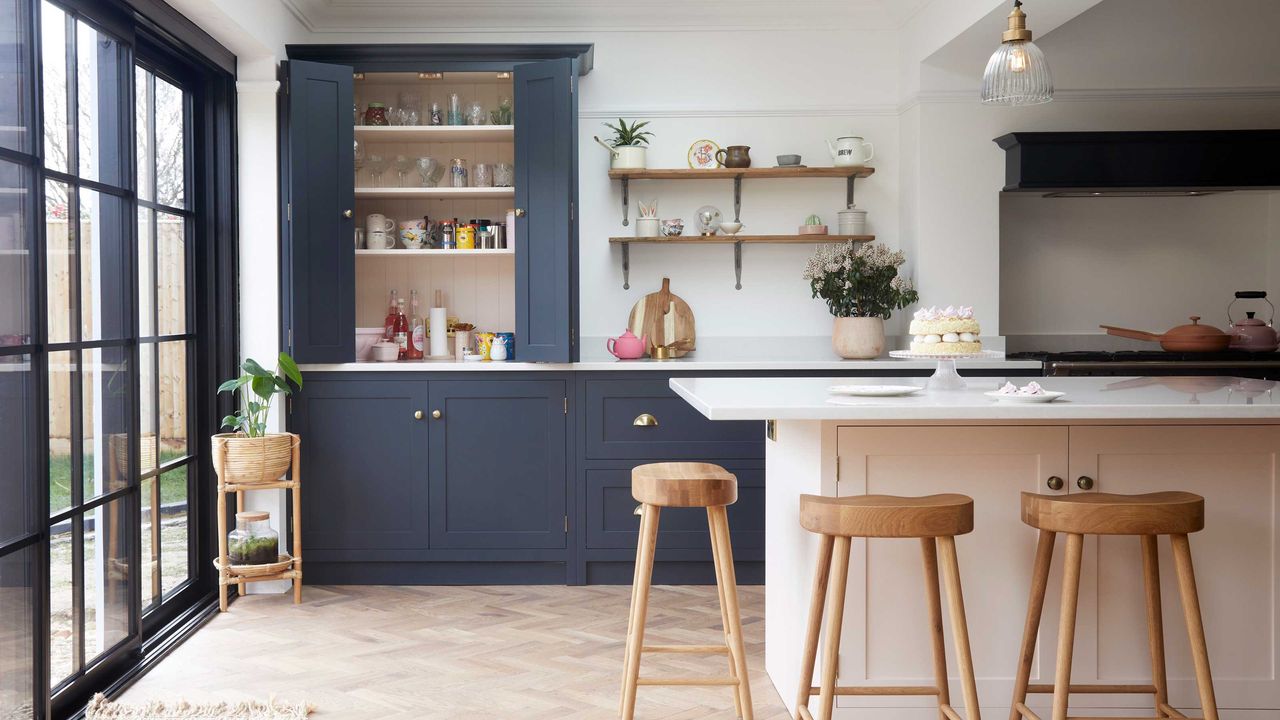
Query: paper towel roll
439, 332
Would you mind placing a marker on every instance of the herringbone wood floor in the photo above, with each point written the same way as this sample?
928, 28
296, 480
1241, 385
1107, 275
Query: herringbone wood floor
524, 653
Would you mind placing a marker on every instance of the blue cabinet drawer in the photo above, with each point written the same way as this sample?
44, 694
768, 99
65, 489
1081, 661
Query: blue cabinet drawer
612, 522
680, 432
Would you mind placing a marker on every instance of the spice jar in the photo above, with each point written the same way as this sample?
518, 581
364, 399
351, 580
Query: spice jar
458, 173
376, 114
253, 542
467, 236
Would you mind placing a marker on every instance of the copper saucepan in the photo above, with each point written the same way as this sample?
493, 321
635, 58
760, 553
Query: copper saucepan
1184, 338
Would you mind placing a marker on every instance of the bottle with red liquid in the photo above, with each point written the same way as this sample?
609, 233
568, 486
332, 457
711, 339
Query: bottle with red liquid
402, 330
417, 332
389, 324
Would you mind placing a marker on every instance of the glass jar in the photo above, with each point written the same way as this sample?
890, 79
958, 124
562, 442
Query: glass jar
504, 175
458, 173
455, 109
376, 114
253, 542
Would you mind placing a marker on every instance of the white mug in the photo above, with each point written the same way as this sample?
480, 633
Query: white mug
377, 240
851, 151
377, 222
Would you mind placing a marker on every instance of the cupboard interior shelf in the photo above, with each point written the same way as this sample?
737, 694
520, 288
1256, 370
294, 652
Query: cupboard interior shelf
736, 240
436, 133
472, 193
433, 252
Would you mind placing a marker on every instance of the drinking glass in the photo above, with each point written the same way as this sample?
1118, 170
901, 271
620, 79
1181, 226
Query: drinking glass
404, 164
430, 171
504, 175
482, 175
359, 156
476, 114
377, 165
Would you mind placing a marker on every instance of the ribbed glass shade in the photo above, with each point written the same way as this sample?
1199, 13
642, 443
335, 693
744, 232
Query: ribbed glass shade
1017, 74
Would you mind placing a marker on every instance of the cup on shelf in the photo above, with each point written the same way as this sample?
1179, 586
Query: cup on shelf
359, 238
648, 227
504, 175
413, 233
672, 227
482, 175
378, 240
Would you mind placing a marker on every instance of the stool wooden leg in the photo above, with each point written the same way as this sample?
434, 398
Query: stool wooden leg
1067, 624
737, 648
631, 608
1195, 624
724, 608
1035, 608
644, 557
933, 598
835, 617
959, 625
808, 658
1155, 620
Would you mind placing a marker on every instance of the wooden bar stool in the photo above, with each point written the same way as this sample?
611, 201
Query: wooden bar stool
662, 485
936, 520
1175, 514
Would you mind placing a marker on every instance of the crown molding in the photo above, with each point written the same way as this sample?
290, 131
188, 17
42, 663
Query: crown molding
867, 110
1172, 94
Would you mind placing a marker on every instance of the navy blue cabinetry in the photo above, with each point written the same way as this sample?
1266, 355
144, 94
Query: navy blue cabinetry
643, 418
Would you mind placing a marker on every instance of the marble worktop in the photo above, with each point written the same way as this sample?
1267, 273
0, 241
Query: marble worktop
1087, 398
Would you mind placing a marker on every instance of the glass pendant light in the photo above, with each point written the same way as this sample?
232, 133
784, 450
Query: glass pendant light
1017, 73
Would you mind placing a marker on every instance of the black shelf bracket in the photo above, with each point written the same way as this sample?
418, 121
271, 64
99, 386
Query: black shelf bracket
626, 264
737, 199
848, 193
737, 265
626, 204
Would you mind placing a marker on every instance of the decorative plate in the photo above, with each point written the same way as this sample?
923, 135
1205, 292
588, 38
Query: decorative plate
1048, 396
874, 390
702, 155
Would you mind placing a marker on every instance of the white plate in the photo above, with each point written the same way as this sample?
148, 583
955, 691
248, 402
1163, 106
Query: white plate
874, 390
1048, 396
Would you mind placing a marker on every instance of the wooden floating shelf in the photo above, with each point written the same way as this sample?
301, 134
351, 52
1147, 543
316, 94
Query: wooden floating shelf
729, 239
436, 133
461, 193
747, 173
435, 252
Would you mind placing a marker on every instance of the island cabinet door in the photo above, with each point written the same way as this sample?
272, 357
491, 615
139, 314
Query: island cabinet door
364, 455
886, 638
1235, 557
498, 464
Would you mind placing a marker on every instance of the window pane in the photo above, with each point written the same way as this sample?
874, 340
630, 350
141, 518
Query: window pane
174, 532
173, 400
150, 542
147, 397
62, 630
60, 243
61, 365
17, 642
15, 78
99, 94
106, 577
170, 149
171, 274
106, 392
146, 273
15, 256
104, 277
17, 471
53, 67
143, 128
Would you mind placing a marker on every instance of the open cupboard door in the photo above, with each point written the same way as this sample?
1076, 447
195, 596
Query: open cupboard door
546, 230
318, 292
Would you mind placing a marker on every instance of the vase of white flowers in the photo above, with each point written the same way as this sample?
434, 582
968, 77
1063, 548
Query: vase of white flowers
861, 286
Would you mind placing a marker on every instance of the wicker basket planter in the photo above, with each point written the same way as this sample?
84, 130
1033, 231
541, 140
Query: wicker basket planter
241, 460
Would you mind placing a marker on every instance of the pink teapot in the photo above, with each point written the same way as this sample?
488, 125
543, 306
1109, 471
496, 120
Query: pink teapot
627, 346
1251, 333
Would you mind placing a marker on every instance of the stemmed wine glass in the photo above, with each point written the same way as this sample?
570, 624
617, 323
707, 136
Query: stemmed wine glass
359, 155
427, 170
377, 165
404, 164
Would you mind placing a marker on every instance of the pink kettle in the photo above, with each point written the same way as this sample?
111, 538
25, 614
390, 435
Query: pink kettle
627, 346
1250, 333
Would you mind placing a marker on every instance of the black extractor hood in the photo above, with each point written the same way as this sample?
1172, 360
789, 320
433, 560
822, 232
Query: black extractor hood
1193, 162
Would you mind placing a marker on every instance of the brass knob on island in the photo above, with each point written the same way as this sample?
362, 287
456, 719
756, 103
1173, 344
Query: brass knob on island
417, 415
645, 420
436, 414
1055, 483
1084, 482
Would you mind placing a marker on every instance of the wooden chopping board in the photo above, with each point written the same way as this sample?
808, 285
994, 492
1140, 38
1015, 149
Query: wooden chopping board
664, 318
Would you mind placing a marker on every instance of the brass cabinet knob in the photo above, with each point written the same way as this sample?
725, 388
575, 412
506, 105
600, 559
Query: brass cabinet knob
1084, 482
346, 213
645, 420
436, 414
1055, 482
520, 212
417, 415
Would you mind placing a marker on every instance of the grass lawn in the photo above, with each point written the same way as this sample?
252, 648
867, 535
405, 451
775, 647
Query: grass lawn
173, 484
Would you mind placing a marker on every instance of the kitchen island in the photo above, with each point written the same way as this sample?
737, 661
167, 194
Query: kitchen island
1119, 435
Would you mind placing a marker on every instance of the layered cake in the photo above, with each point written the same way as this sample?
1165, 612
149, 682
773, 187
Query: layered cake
949, 331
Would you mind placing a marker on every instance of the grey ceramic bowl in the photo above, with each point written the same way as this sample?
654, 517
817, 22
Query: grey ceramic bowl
785, 160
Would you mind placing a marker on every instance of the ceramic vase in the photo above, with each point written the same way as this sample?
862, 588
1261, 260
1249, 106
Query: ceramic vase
858, 338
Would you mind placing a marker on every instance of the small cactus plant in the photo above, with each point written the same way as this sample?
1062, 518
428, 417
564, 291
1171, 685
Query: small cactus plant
813, 220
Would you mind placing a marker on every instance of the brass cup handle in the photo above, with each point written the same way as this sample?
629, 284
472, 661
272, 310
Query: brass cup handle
1055, 482
1084, 482
520, 212
436, 414
417, 414
346, 213
645, 420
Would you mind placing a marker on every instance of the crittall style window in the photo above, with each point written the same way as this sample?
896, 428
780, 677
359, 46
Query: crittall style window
114, 216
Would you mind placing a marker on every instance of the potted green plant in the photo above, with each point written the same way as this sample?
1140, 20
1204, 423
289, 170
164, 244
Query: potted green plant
862, 288
249, 454
627, 146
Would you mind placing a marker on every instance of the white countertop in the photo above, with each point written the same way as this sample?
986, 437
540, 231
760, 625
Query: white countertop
713, 353
1087, 398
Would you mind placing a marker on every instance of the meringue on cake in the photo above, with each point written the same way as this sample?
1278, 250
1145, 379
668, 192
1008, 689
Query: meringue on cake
947, 331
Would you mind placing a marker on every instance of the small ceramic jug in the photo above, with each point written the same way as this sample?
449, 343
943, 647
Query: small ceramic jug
734, 156
498, 348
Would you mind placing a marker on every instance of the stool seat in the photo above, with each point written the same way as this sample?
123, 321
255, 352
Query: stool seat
887, 516
1159, 513
684, 484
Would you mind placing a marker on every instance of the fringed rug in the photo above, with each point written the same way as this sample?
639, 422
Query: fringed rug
100, 708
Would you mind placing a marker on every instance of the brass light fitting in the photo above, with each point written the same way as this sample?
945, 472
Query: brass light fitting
1017, 25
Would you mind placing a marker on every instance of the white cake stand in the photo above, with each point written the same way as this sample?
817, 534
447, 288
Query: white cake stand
945, 377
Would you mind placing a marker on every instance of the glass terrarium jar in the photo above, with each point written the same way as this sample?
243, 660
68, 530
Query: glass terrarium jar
376, 114
253, 542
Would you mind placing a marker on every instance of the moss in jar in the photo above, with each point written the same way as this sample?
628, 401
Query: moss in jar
253, 550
